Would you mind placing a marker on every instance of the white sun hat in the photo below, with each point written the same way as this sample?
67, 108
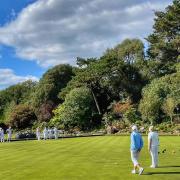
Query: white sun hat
151, 128
134, 127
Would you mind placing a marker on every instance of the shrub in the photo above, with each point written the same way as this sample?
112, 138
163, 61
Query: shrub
22, 117
76, 111
131, 115
25, 135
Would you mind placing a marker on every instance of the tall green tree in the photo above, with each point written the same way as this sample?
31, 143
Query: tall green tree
164, 42
129, 51
45, 98
14, 95
160, 98
113, 76
76, 110
21, 117
169, 107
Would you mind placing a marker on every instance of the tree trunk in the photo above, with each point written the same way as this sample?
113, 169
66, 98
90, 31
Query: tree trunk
96, 102
171, 119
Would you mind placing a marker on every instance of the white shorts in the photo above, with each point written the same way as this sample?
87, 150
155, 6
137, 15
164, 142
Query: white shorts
135, 157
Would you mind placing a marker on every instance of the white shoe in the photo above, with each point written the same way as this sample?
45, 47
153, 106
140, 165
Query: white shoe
141, 171
133, 171
153, 166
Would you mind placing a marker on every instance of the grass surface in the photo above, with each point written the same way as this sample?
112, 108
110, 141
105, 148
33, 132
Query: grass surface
90, 158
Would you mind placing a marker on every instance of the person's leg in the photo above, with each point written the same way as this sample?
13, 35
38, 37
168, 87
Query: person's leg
156, 156
140, 168
134, 163
134, 158
153, 157
9, 137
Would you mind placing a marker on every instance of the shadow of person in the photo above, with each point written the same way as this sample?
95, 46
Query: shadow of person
165, 173
152, 173
168, 166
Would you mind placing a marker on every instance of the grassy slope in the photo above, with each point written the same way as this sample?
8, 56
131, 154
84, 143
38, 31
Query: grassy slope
102, 158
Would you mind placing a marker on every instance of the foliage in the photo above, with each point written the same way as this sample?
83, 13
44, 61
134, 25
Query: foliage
45, 111
108, 118
14, 95
169, 106
164, 42
155, 97
76, 110
45, 97
21, 117
112, 77
121, 107
84, 94
7, 112
129, 51
131, 115
17, 93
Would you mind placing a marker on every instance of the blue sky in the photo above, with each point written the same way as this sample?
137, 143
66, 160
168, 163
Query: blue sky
38, 34
9, 9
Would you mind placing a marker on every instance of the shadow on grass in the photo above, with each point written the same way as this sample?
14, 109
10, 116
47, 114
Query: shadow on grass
152, 173
168, 166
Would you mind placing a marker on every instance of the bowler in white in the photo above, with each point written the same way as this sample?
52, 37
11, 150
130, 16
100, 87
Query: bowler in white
38, 134
56, 132
9, 134
45, 133
2, 134
153, 143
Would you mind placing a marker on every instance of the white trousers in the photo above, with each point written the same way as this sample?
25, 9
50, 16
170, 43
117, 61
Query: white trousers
135, 157
38, 135
154, 155
2, 138
45, 136
9, 137
56, 136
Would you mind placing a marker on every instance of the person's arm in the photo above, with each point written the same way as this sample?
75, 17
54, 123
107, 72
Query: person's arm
141, 143
158, 139
149, 142
132, 142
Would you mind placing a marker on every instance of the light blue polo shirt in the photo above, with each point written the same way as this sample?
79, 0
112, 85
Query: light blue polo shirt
136, 141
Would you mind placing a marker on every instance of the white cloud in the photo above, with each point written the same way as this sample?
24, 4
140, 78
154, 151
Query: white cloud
57, 31
8, 77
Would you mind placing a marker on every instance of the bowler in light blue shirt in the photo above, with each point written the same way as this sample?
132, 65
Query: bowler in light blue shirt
136, 146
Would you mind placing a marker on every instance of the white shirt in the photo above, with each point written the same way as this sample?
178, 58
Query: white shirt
153, 136
45, 131
2, 132
9, 131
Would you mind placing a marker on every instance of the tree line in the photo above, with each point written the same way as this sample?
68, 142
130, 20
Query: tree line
128, 83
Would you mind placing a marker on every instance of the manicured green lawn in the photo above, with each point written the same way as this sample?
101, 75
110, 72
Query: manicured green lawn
90, 158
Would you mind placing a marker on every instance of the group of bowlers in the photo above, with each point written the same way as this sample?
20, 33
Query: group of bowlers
137, 145
9, 134
47, 133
